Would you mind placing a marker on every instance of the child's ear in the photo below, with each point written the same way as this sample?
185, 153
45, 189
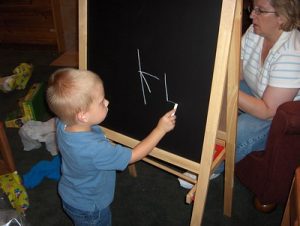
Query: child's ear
81, 116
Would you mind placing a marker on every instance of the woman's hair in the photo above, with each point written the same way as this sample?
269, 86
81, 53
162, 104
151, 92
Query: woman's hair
290, 10
70, 91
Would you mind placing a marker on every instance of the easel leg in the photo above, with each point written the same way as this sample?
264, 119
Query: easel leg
228, 185
202, 187
231, 116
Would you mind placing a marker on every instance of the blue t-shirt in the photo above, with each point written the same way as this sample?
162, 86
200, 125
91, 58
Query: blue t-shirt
89, 164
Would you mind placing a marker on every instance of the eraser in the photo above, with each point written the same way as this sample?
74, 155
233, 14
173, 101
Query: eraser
175, 108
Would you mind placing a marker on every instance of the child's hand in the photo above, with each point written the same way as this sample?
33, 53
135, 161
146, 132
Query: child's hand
167, 122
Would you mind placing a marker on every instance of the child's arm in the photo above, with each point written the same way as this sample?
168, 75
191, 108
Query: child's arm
165, 124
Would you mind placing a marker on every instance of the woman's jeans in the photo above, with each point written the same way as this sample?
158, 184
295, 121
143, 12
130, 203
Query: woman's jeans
86, 218
252, 133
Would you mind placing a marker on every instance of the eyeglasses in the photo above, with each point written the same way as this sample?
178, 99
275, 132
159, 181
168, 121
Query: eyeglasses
258, 11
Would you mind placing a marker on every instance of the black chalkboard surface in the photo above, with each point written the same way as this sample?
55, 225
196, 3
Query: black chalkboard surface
150, 55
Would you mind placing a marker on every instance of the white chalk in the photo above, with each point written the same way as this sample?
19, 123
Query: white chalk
175, 108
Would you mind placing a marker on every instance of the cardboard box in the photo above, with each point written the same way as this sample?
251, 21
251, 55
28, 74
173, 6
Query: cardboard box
31, 107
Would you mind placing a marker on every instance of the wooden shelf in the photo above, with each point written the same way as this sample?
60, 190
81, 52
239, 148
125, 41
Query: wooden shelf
67, 59
48, 22
31, 22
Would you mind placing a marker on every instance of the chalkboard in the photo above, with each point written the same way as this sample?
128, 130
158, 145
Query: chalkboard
167, 47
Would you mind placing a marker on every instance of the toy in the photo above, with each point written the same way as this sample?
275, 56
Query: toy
11, 184
19, 79
31, 107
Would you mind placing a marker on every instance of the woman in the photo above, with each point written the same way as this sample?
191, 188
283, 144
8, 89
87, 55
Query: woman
270, 62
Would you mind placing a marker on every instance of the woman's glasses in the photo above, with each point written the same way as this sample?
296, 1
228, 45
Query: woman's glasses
258, 11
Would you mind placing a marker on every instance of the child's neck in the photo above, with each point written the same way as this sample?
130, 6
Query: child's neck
78, 128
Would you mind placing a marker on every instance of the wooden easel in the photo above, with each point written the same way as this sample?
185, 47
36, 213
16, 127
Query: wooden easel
222, 112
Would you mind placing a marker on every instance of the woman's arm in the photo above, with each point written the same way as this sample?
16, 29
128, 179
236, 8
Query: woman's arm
266, 107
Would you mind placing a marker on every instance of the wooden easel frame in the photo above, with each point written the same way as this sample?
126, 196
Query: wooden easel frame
224, 91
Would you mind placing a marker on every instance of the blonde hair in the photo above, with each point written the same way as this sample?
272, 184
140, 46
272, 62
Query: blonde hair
290, 10
70, 91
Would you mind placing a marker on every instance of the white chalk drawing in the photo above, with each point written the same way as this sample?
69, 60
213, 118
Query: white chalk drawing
144, 81
166, 89
142, 77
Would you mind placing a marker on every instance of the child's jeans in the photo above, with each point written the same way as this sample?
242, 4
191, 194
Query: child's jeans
86, 218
